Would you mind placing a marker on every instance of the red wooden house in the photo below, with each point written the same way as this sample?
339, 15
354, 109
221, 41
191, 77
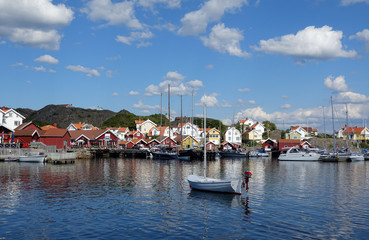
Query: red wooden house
56, 137
269, 145
87, 138
210, 146
285, 144
152, 142
167, 141
27, 125
135, 135
26, 136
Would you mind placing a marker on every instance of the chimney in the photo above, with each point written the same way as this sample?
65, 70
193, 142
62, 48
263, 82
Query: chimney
55, 125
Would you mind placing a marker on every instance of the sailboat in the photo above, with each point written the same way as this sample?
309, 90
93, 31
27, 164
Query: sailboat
351, 156
204, 183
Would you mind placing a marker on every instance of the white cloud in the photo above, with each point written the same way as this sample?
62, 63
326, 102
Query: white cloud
2, 42
348, 2
196, 22
113, 13
139, 37
209, 66
168, 3
362, 36
286, 106
40, 69
210, 101
251, 102
351, 97
338, 84
243, 90
310, 43
142, 106
133, 93
33, 23
225, 40
79, 68
47, 59
284, 96
115, 94
195, 83
177, 87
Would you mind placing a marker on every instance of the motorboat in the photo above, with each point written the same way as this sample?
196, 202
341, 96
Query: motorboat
295, 154
33, 157
165, 155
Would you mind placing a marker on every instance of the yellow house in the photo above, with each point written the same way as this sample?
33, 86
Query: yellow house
187, 141
214, 136
356, 133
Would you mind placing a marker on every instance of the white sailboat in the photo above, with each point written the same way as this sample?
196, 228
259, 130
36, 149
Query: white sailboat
204, 183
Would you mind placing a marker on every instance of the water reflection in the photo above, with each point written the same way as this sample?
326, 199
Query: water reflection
142, 198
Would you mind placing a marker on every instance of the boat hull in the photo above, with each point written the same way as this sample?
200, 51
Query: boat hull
214, 185
232, 154
36, 158
164, 156
299, 157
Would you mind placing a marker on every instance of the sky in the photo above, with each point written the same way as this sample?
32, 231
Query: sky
274, 60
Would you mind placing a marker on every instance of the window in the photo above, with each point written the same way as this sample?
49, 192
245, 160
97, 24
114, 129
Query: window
16, 123
107, 136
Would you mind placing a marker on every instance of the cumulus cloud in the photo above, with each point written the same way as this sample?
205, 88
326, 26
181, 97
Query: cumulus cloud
142, 106
196, 22
338, 84
362, 36
113, 13
351, 97
40, 69
177, 86
348, 2
241, 102
309, 43
34, 23
133, 93
168, 3
209, 100
286, 106
78, 68
47, 59
195, 83
243, 90
139, 37
225, 40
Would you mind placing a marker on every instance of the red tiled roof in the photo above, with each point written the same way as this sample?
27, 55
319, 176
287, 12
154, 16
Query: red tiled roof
54, 132
90, 134
354, 129
25, 133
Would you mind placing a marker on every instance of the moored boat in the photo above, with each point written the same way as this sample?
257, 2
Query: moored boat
33, 157
295, 154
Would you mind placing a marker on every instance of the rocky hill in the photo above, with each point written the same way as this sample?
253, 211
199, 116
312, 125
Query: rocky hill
63, 116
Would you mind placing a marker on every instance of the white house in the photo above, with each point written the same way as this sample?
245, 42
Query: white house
10, 119
189, 129
255, 132
145, 126
300, 130
233, 135
81, 126
120, 132
246, 123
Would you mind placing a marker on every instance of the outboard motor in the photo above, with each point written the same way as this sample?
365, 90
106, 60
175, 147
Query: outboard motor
247, 176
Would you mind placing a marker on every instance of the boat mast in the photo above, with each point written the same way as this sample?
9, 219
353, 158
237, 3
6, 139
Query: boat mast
169, 109
347, 131
181, 124
334, 135
192, 122
205, 138
325, 134
161, 112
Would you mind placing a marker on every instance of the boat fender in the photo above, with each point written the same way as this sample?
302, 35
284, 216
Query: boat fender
247, 176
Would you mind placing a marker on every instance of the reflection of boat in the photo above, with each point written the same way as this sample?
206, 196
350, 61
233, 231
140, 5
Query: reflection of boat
211, 184
230, 200
33, 157
232, 154
295, 154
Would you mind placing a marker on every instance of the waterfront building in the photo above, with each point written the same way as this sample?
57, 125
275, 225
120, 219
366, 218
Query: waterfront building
255, 132
88, 138
233, 135
10, 119
355, 133
186, 141
81, 126
144, 126
246, 124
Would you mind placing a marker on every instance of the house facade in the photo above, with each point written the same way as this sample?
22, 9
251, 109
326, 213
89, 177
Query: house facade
355, 133
189, 129
213, 135
10, 119
58, 137
246, 124
233, 135
144, 126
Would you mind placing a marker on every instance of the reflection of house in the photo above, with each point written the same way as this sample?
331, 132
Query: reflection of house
10, 119
144, 126
81, 126
101, 137
233, 135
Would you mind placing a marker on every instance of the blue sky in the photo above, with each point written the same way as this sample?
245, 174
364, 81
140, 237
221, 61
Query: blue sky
266, 60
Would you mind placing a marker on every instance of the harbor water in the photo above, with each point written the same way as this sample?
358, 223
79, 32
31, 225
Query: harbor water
150, 199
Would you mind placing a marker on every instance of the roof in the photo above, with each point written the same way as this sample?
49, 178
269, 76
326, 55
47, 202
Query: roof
135, 141
243, 121
354, 129
54, 132
47, 127
289, 141
79, 126
90, 134
23, 125
26, 133
139, 121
